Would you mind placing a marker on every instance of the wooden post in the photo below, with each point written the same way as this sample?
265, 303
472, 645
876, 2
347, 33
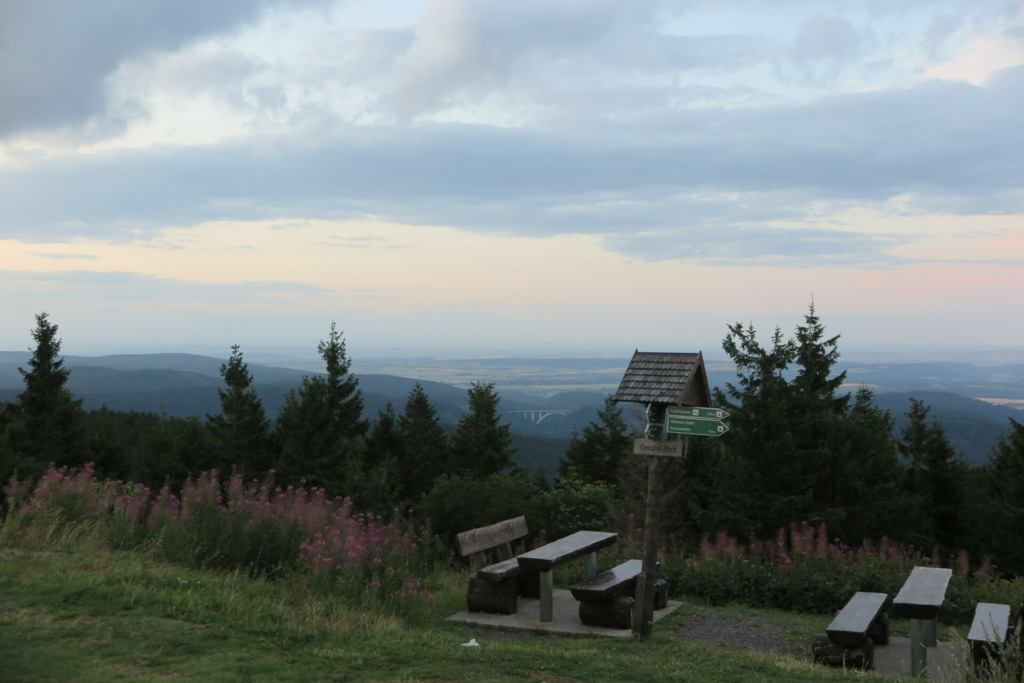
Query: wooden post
643, 607
547, 589
918, 648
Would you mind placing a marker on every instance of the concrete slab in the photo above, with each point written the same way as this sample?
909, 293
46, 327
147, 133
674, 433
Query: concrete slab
945, 662
565, 609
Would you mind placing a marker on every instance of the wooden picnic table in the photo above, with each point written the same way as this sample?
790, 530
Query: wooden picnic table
544, 559
919, 600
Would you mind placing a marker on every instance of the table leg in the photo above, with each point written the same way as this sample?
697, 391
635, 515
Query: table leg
547, 589
918, 648
590, 565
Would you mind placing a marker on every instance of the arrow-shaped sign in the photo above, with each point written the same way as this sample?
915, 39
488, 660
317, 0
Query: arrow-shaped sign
695, 426
696, 413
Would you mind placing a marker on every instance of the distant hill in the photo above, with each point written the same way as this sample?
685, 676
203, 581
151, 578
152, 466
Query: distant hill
973, 427
179, 385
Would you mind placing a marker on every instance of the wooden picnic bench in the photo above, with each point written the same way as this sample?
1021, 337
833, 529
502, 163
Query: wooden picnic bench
920, 599
989, 630
850, 639
544, 559
607, 599
496, 588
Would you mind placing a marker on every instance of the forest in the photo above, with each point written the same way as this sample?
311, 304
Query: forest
801, 452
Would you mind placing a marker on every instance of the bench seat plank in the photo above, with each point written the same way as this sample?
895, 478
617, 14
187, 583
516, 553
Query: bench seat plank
499, 571
923, 593
850, 626
991, 622
608, 583
556, 553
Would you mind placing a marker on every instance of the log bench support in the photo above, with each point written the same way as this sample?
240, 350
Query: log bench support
919, 600
989, 630
607, 600
543, 560
496, 588
850, 639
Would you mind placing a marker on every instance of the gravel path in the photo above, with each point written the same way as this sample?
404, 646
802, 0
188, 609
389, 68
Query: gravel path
746, 632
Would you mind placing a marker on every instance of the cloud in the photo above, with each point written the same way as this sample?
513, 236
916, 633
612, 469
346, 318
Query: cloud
942, 144
55, 56
88, 285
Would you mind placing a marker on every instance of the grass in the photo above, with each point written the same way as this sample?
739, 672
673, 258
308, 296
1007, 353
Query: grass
84, 614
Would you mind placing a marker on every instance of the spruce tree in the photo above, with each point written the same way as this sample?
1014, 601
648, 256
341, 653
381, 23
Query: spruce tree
1005, 489
482, 445
936, 477
241, 429
760, 485
597, 455
378, 488
425, 453
43, 424
320, 427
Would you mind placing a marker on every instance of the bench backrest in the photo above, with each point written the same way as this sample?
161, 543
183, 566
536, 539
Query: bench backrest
477, 543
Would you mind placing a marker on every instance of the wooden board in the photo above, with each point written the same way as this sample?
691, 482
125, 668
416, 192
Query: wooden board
546, 557
851, 624
923, 593
991, 622
487, 537
609, 583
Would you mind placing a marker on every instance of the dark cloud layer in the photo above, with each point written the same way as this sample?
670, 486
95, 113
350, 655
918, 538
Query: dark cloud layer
55, 55
941, 143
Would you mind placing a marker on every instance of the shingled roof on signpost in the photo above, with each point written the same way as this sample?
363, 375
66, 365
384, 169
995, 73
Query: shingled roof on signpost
665, 378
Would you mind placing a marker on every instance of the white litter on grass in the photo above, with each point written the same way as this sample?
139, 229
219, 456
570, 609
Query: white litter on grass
472, 643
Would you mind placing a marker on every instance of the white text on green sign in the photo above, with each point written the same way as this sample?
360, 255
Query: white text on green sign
696, 427
697, 413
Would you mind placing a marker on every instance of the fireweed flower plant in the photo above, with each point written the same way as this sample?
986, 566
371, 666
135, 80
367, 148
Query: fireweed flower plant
257, 527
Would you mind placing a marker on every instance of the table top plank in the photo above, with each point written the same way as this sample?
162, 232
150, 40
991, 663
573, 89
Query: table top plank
991, 622
851, 624
922, 593
556, 553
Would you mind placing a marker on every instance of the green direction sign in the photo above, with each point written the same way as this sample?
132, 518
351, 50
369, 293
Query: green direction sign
697, 413
695, 426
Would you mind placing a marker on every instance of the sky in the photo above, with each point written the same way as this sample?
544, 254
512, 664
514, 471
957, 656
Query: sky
566, 177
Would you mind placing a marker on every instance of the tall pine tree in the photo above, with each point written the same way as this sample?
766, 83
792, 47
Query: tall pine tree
482, 445
320, 428
241, 429
936, 477
425, 453
43, 424
1005, 479
597, 455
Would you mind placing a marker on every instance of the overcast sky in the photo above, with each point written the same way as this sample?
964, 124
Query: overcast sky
576, 176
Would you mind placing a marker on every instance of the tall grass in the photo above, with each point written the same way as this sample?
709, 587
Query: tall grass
255, 527
803, 570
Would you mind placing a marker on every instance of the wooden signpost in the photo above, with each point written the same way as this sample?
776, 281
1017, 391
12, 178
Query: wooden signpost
674, 388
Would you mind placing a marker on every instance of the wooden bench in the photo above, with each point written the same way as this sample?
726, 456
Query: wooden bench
850, 639
495, 588
920, 599
607, 599
989, 630
544, 559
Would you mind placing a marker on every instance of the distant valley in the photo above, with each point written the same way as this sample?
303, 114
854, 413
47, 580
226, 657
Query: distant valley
546, 400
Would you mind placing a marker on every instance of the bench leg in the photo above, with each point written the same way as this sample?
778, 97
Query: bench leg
547, 590
590, 565
918, 647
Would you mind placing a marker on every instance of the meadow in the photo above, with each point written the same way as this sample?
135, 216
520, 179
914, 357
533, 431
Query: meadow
233, 581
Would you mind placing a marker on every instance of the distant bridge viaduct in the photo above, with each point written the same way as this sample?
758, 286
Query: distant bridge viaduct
537, 415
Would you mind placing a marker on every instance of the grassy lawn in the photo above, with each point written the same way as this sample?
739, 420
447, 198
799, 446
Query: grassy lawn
91, 615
